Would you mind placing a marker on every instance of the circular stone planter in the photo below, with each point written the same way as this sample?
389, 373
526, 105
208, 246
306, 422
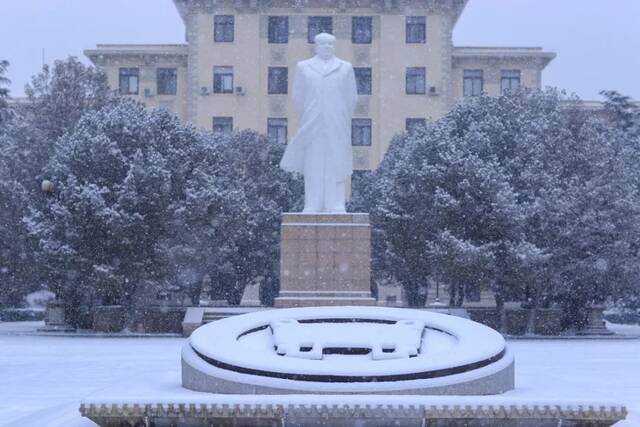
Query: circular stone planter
365, 350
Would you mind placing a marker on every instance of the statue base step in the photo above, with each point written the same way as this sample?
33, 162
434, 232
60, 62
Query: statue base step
290, 299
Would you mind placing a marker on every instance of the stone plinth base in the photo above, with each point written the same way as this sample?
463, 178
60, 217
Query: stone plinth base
325, 260
54, 318
596, 325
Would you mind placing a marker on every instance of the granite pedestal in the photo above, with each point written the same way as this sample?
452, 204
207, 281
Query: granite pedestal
325, 260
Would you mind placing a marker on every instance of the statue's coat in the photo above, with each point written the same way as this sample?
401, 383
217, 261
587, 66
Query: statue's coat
324, 96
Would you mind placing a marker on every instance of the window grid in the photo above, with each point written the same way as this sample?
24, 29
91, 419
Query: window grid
416, 29
223, 125
473, 82
278, 29
129, 79
223, 79
360, 132
278, 81
361, 29
317, 25
416, 81
363, 80
510, 81
167, 81
223, 28
277, 130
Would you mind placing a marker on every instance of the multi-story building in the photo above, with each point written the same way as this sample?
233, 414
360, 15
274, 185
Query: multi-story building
236, 68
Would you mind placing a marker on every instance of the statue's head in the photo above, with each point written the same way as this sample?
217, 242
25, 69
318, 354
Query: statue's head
325, 45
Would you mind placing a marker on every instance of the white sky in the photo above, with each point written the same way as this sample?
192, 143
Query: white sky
597, 41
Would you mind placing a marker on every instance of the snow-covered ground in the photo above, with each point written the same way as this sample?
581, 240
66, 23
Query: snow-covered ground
43, 379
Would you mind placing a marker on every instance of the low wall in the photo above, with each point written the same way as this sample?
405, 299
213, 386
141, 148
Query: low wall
155, 319
160, 319
547, 321
21, 314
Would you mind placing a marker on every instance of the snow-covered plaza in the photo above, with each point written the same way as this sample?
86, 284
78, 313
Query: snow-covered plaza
44, 379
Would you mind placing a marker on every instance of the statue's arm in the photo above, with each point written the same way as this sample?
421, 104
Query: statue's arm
351, 90
298, 90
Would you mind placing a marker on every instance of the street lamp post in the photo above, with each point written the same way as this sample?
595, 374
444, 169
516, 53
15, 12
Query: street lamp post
55, 319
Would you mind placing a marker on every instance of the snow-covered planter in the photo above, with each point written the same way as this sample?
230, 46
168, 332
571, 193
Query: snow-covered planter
347, 350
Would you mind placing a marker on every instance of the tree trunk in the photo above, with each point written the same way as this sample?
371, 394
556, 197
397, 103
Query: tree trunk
460, 297
501, 312
534, 302
452, 296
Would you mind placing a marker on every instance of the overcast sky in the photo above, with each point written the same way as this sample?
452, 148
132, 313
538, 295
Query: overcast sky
597, 41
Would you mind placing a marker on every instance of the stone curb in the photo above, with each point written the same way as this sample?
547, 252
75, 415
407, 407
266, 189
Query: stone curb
110, 413
90, 335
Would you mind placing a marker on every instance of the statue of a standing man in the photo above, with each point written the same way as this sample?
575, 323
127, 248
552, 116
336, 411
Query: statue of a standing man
324, 96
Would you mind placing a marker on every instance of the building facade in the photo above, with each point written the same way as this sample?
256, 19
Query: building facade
236, 68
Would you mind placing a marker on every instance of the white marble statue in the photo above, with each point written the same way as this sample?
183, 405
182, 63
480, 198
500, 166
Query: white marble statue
324, 95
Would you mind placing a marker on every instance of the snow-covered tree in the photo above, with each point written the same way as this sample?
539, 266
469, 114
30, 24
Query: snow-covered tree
61, 95
622, 112
58, 97
443, 210
252, 169
236, 202
114, 178
592, 217
18, 272
142, 202
525, 194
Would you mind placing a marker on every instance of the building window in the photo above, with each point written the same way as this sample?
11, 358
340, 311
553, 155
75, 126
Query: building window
416, 29
510, 81
411, 125
129, 79
473, 82
222, 79
317, 25
167, 81
223, 28
416, 81
278, 80
278, 29
363, 80
360, 132
277, 130
361, 29
223, 125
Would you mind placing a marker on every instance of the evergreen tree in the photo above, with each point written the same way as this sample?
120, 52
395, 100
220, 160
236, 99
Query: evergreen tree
101, 232
59, 96
236, 201
526, 194
17, 263
142, 202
